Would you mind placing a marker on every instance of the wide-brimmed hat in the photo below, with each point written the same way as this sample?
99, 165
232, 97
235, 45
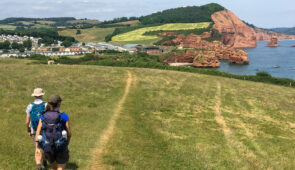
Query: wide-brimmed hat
38, 92
54, 99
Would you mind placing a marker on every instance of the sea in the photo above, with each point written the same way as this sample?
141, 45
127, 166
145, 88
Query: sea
277, 61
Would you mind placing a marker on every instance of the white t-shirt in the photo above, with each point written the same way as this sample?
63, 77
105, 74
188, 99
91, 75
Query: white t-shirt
30, 106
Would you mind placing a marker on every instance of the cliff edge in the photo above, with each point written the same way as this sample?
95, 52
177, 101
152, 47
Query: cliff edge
235, 32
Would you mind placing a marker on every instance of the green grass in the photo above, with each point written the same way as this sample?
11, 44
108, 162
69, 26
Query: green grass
168, 120
88, 35
142, 42
89, 93
7, 27
137, 35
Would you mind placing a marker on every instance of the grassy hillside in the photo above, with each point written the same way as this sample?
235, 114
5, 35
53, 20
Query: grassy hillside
47, 22
169, 120
290, 31
88, 35
89, 93
138, 34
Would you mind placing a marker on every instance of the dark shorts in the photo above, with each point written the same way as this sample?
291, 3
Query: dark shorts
60, 157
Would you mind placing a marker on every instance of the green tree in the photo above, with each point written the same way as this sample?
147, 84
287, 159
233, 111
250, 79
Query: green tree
6, 45
27, 44
14, 45
21, 49
55, 49
78, 32
66, 43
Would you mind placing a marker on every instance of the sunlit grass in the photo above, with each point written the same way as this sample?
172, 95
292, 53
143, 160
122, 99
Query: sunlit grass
137, 35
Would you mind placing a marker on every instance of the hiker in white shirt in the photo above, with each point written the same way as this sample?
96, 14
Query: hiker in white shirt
34, 111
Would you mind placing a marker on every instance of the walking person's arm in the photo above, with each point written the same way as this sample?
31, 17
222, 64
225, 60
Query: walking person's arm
28, 119
68, 131
38, 133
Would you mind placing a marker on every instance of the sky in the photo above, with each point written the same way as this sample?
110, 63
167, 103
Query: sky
262, 13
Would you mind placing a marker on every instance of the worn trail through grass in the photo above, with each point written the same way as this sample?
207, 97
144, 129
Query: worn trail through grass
108, 133
237, 147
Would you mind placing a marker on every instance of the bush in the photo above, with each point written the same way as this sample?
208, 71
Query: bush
143, 60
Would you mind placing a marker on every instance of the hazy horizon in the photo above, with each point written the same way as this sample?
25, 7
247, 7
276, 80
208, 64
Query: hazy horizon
263, 13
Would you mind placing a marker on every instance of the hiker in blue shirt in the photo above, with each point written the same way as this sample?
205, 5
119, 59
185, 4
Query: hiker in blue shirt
53, 134
34, 111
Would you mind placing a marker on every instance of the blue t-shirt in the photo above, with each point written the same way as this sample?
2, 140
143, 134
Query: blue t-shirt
64, 118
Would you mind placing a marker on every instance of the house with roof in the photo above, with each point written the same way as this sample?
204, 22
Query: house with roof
149, 49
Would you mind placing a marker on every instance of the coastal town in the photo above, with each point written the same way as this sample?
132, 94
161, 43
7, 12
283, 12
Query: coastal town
75, 49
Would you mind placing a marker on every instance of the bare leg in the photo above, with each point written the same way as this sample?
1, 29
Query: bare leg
53, 166
61, 166
38, 157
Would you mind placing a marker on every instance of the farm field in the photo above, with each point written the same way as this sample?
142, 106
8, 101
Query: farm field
84, 21
131, 118
7, 27
137, 35
88, 35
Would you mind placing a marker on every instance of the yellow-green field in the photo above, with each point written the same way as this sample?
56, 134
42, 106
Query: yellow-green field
131, 118
137, 35
88, 35
7, 27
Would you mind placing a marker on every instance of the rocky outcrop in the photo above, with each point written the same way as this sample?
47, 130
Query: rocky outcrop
235, 32
199, 58
217, 48
234, 56
265, 35
205, 62
273, 42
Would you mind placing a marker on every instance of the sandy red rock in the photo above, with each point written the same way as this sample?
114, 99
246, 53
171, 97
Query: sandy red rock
235, 32
273, 42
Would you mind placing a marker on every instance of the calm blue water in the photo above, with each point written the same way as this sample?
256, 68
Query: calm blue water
264, 58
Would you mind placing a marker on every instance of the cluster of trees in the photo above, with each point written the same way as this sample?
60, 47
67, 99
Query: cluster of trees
48, 35
6, 46
18, 19
192, 14
121, 19
290, 31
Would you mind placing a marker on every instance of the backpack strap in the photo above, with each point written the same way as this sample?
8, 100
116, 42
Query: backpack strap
33, 104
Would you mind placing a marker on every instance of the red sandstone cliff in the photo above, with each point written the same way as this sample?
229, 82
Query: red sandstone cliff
265, 35
208, 57
235, 32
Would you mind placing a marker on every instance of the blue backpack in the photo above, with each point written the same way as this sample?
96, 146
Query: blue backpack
36, 112
51, 132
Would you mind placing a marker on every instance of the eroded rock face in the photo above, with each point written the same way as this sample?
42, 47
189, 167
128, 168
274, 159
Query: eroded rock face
234, 56
199, 58
235, 32
265, 35
273, 42
217, 49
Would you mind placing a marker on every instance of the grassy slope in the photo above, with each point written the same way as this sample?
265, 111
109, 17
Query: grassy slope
168, 121
88, 35
89, 95
137, 34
